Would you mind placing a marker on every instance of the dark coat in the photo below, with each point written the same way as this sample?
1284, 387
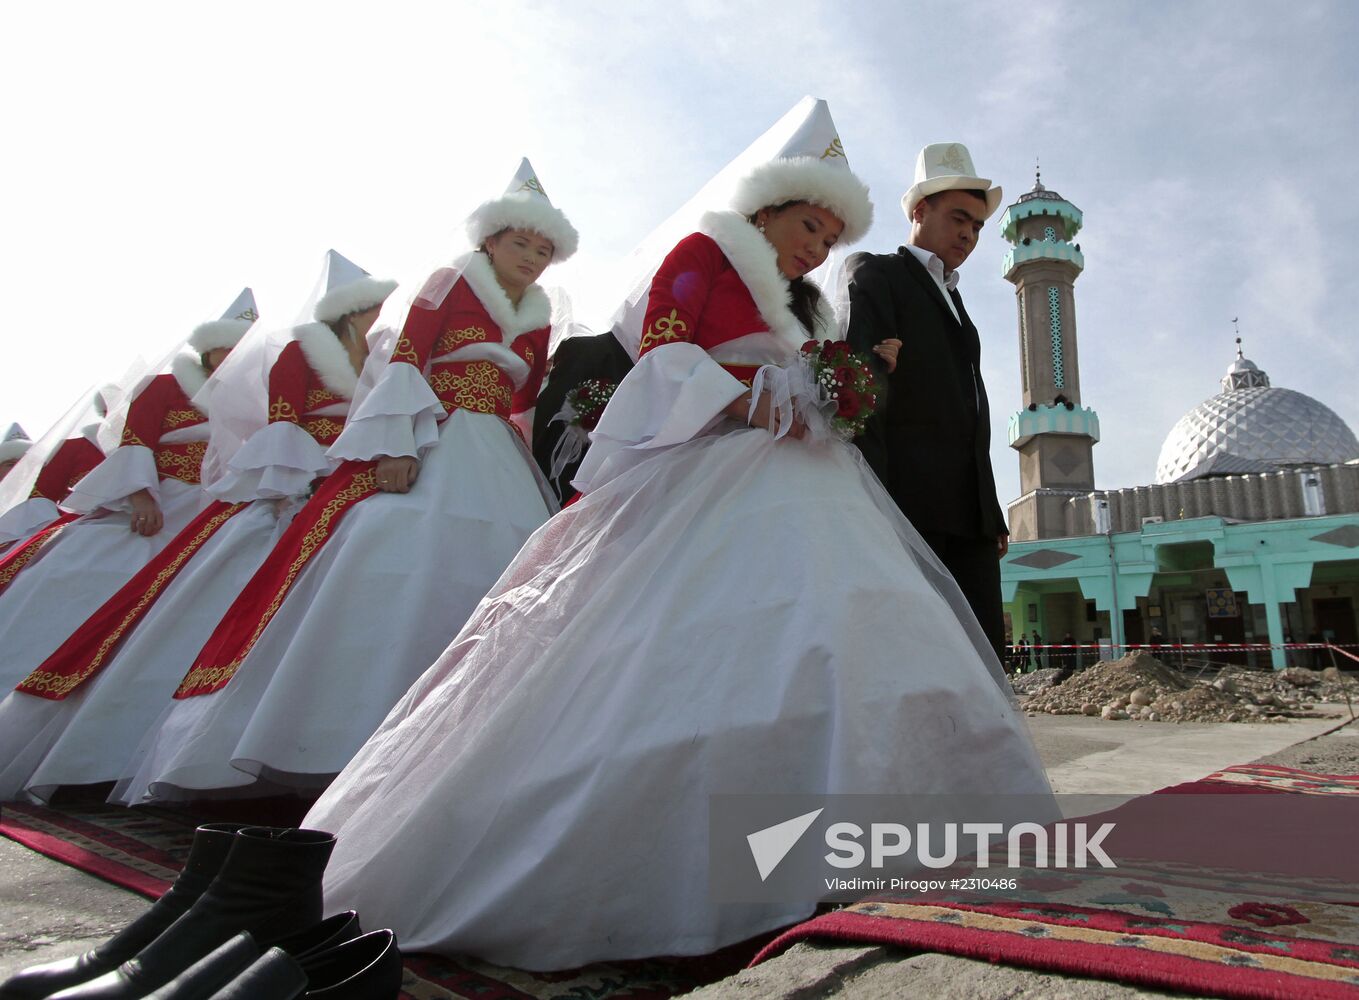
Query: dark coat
577, 359
930, 444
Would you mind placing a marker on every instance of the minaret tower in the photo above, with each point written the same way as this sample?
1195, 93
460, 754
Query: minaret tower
1053, 434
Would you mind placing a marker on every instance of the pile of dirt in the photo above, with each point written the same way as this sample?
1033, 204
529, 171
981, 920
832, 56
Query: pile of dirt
1139, 686
1035, 681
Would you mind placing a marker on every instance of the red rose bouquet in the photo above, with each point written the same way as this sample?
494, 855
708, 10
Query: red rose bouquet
580, 412
844, 379
585, 403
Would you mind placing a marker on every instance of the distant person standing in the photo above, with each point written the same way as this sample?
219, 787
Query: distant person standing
1317, 654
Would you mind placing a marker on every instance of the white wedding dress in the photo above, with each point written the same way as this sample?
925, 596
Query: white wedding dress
721, 612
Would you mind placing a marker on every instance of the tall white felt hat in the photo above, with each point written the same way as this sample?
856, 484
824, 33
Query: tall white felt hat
227, 331
348, 288
811, 167
947, 166
15, 444
524, 205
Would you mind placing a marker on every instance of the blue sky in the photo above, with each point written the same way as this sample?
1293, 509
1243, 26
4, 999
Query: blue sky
162, 155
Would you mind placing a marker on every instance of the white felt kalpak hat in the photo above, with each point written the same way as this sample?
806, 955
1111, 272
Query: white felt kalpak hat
524, 205
15, 445
348, 289
810, 167
947, 166
227, 331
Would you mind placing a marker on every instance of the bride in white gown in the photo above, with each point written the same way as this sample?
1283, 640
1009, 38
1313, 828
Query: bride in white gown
726, 610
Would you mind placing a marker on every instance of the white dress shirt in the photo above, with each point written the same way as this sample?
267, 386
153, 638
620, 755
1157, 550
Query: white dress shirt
946, 282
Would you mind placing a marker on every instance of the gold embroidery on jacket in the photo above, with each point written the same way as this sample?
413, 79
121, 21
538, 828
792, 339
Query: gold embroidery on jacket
324, 429
665, 328
451, 340
176, 419
317, 398
181, 461
479, 386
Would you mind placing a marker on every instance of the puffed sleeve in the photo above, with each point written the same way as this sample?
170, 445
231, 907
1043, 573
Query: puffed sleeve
281, 459
400, 417
73, 459
420, 332
679, 291
673, 394
132, 465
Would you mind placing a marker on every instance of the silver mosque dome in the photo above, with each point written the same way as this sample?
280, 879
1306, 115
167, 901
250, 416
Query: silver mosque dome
1252, 426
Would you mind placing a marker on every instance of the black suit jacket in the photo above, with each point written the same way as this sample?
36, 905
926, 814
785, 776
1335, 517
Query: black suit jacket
577, 358
930, 444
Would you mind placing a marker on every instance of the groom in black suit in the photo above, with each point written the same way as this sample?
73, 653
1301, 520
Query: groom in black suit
930, 443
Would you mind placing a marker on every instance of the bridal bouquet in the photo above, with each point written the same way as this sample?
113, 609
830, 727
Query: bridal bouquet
585, 403
580, 412
844, 379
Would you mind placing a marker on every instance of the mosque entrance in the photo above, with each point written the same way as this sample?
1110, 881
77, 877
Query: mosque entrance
1334, 618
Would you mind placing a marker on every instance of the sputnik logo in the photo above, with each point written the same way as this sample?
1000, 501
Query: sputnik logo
771, 845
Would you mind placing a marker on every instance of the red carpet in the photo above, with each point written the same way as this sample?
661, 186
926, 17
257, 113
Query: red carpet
1266, 909
1257, 898
143, 849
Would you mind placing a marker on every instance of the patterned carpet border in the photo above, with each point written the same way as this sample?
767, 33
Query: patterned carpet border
1084, 942
139, 850
1145, 926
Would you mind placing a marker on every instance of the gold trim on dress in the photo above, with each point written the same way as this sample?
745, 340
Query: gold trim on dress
24, 557
57, 685
214, 677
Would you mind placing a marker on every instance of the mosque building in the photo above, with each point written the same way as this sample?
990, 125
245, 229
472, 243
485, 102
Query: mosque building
1249, 534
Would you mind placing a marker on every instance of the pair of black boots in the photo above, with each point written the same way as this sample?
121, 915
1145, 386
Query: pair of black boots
241, 890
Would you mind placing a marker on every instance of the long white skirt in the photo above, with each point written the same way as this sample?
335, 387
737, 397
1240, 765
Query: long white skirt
76, 573
732, 615
365, 617
91, 735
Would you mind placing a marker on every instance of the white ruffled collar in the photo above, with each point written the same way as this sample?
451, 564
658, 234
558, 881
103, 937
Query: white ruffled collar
191, 376
534, 311
327, 357
756, 262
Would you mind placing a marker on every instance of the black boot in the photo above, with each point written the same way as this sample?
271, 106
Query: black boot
366, 968
276, 976
329, 933
210, 846
208, 975
269, 885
